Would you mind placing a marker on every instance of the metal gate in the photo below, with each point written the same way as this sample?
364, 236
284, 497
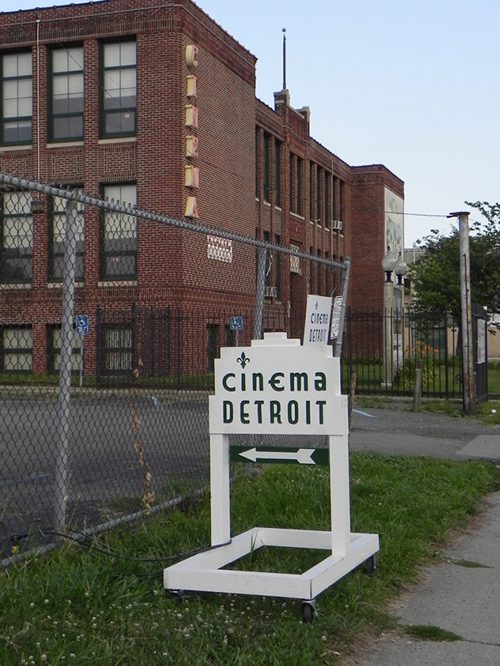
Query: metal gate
480, 347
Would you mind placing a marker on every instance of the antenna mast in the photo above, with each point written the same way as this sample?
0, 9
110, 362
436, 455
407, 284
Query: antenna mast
284, 58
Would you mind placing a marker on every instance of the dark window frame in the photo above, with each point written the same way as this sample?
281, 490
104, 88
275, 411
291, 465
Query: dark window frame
319, 195
26, 257
312, 191
257, 163
19, 119
15, 350
54, 255
300, 186
293, 185
53, 116
105, 254
342, 201
328, 210
278, 152
103, 112
53, 351
266, 148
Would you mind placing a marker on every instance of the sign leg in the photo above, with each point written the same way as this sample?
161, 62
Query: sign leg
339, 494
220, 489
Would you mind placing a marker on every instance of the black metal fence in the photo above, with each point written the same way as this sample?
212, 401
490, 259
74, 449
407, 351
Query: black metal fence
384, 350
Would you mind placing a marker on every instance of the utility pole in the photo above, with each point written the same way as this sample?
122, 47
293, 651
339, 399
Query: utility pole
466, 313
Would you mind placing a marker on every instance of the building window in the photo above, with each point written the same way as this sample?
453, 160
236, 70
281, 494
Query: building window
277, 172
118, 102
328, 276
266, 237
119, 236
312, 198
16, 251
57, 218
335, 197
16, 111
212, 345
16, 353
54, 355
319, 275
312, 273
293, 185
328, 210
66, 94
257, 164
319, 195
116, 349
277, 268
267, 167
300, 186
342, 201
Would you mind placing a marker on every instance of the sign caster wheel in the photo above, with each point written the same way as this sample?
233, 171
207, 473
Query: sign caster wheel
178, 595
308, 610
370, 565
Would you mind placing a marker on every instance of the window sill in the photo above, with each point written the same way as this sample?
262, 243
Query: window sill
65, 144
59, 285
16, 285
117, 283
17, 147
119, 139
297, 215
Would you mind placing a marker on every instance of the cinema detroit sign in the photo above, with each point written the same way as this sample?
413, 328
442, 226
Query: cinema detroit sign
277, 386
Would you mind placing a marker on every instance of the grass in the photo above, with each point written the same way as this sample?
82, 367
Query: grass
488, 412
494, 377
429, 632
106, 605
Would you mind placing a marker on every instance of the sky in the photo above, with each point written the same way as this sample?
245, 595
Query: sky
411, 84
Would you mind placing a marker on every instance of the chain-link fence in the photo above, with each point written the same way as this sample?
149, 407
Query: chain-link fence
110, 320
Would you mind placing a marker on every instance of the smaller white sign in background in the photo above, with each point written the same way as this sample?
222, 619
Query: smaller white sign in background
337, 311
317, 324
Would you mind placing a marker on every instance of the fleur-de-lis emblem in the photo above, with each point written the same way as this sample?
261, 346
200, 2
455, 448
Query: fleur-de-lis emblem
243, 360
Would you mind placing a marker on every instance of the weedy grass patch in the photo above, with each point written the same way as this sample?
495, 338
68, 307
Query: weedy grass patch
105, 604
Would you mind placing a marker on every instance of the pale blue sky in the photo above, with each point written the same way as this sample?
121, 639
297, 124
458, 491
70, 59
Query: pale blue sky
412, 84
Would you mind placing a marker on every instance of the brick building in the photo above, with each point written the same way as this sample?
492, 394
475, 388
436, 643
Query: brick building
154, 104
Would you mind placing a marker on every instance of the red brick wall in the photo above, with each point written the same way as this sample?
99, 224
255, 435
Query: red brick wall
368, 228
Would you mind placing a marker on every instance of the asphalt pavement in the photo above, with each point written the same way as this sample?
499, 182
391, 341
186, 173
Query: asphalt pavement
461, 594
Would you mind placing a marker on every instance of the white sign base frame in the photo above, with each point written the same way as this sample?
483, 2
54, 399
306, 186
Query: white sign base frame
204, 572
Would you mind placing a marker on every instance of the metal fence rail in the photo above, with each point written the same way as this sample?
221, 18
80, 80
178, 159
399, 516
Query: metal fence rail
110, 320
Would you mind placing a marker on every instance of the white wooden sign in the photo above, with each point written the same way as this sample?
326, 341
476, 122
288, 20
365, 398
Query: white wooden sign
276, 386
317, 323
285, 389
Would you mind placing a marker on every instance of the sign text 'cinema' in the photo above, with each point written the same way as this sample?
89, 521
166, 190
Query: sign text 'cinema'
255, 404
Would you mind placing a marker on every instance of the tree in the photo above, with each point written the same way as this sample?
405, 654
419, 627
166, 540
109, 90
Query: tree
435, 275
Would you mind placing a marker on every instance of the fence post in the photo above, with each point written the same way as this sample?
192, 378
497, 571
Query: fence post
259, 295
417, 395
63, 408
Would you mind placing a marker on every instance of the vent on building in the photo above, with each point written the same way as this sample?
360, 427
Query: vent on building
270, 292
295, 261
337, 225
